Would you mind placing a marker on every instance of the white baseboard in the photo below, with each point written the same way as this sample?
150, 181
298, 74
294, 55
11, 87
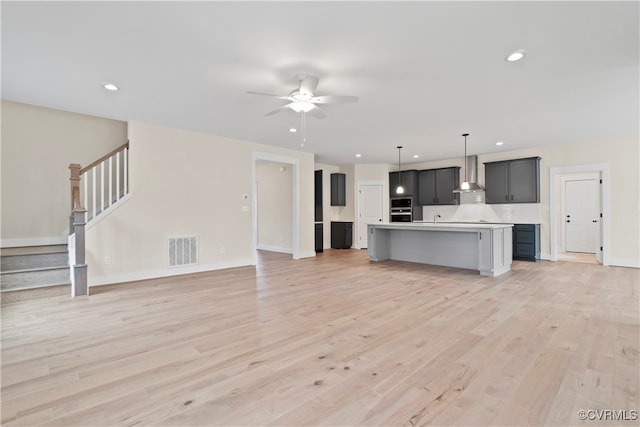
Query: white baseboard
307, 254
274, 249
33, 241
145, 275
621, 262
613, 262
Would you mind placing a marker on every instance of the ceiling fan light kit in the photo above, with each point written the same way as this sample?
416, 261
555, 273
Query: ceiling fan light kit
302, 106
303, 99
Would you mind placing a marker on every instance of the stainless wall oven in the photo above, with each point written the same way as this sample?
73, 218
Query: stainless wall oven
401, 209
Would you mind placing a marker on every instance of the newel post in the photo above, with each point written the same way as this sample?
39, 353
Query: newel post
78, 267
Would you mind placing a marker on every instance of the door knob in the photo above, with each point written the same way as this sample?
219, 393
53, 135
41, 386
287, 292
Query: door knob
595, 220
568, 220
568, 216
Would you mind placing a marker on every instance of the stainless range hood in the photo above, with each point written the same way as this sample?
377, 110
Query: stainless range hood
471, 175
470, 172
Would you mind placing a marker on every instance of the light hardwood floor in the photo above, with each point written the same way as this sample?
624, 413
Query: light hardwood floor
332, 340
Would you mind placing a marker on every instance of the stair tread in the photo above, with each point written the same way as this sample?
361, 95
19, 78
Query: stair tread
25, 287
34, 279
32, 250
34, 261
36, 269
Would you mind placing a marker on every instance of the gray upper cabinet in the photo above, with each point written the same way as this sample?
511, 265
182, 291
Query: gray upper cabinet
435, 186
338, 189
513, 181
409, 182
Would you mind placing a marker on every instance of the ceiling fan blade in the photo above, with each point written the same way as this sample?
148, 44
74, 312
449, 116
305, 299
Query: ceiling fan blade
317, 113
308, 84
334, 99
277, 110
267, 94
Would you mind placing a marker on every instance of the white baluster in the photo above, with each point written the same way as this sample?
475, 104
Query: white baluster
110, 180
85, 180
125, 153
93, 173
102, 205
117, 176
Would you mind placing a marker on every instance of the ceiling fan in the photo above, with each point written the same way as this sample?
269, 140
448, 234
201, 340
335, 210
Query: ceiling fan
303, 99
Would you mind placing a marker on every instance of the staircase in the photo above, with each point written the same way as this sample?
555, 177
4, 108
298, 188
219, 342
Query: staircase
96, 189
34, 267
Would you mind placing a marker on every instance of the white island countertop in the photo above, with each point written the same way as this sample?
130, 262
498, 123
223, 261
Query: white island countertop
444, 225
485, 247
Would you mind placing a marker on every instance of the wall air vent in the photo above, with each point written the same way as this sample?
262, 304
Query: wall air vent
183, 251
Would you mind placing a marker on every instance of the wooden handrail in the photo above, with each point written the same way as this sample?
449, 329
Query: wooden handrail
105, 157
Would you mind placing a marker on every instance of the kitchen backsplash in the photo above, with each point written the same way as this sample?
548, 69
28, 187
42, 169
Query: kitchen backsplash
517, 213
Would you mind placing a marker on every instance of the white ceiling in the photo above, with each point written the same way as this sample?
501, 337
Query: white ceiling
425, 72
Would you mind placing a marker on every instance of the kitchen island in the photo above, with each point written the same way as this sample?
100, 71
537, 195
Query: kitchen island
483, 247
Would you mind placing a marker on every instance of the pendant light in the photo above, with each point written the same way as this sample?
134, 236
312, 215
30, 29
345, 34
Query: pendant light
470, 165
399, 188
465, 184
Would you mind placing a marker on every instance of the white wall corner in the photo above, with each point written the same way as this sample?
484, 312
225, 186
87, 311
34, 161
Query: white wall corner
305, 254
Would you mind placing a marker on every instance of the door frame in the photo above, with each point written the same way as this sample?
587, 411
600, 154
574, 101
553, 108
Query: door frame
554, 175
358, 185
295, 231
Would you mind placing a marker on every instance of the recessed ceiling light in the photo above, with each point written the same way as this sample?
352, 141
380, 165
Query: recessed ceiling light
499, 143
293, 130
415, 156
515, 56
110, 86
358, 155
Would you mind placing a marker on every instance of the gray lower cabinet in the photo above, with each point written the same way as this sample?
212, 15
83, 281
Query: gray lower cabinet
341, 234
512, 181
435, 186
526, 242
319, 237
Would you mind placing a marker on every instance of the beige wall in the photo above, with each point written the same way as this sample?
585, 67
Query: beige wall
187, 184
275, 204
38, 144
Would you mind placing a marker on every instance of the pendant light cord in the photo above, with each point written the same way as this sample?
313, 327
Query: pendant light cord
399, 168
304, 129
465, 156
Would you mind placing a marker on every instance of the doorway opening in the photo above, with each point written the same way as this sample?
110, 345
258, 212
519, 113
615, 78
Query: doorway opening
579, 212
275, 216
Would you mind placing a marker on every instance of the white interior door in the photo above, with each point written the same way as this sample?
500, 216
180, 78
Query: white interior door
370, 209
582, 215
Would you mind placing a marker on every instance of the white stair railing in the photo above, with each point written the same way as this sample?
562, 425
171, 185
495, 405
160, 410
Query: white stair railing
104, 182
